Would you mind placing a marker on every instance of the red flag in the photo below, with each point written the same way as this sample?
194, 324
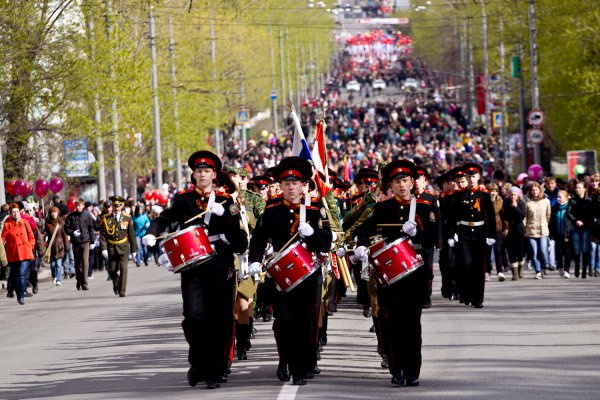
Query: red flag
319, 151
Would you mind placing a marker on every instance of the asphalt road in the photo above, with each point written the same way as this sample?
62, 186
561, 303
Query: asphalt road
532, 340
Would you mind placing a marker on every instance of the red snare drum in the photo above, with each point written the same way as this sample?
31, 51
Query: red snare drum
292, 266
395, 261
188, 248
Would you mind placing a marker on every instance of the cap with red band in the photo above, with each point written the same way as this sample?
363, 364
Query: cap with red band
204, 159
472, 168
293, 169
399, 169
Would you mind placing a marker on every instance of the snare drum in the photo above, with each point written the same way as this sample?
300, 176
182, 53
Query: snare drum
188, 248
395, 260
292, 266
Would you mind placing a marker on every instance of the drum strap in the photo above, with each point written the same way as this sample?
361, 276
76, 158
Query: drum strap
211, 201
413, 209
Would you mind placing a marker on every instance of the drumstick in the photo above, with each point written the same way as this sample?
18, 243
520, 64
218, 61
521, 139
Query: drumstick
342, 271
199, 215
282, 248
390, 224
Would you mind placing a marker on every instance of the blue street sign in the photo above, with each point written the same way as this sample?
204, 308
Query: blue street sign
274, 94
242, 117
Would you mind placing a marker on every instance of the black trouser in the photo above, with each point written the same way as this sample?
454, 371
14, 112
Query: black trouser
117, 269
399, 315
498, 253
515, 246
562, 249
427, 256
208, 292
472, 258
447, 271
81, 253
296, 324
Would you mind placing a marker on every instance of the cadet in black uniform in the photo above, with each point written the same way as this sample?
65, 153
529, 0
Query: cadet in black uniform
208, 290
295, 312
472, 224
117, 239
400, 304
428, 207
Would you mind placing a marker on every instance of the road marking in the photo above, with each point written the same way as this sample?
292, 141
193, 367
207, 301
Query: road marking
288, 392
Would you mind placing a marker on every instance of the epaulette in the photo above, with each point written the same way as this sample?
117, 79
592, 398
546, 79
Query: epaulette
423, 201
275, 199
185, 191
482, 188
313, 208
222, 193
125, 214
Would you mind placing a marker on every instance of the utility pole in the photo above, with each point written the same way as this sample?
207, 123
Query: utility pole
485, 63
471, 73
522, 112
533, 55
289, 64
2, 189
299, 92
311, 66
155, 105
175, 105
213, 58
243, 94
97, 114
503, 89
282, 72
275, 122
114, 115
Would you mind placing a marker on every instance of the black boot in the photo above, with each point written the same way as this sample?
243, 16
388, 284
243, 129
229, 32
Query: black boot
241, 337
584, 267
577, 259
283, 373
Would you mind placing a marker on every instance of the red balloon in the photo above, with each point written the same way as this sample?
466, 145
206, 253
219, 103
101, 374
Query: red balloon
41, 187
9, 187
21, 188
72, 203
155, 194
28, 188
148, 195
162, 199
56, 185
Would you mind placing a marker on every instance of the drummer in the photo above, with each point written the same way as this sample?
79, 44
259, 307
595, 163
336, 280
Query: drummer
208, 289
401, 303
294, 311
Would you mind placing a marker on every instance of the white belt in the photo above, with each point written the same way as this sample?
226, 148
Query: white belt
215, 238
471, 223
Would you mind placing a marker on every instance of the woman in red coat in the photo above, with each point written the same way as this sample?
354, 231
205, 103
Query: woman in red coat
19, 242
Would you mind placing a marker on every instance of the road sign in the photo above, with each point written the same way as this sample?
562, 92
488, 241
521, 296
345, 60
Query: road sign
535, 117
497, 120
242, 117
536, 136
273, 94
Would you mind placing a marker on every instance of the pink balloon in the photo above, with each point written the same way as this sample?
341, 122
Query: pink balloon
21, 188
535, 171
56, 185
41, 187
521, 177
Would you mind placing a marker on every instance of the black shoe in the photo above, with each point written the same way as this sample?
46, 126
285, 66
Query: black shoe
299, 381
454, 297
385, 363
309, 375
212, 385
78, 286
427, 304
477, 305
10, 294
35, 289
222, 379
367, 312
283, 374
108, 278
21, 301
72, 275
241, 354
412, 381
121, 294
372, 328
84, 287
194, 377
27, 294
267, 317
318, 355
316, 370
398, 379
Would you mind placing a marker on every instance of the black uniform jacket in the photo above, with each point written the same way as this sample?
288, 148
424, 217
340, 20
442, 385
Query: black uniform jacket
280, 221
189, 203
472, 216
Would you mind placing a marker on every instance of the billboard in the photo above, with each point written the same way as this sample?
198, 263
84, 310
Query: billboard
76, 157
581, 162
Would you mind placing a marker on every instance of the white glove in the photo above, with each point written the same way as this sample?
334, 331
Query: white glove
451, 242
92, 246
217, 209
341, 252
149, 240
410, 228
305, 229
133, 255
105, 253
361, 253
254, 268
490, 241
77, 233
163, 261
